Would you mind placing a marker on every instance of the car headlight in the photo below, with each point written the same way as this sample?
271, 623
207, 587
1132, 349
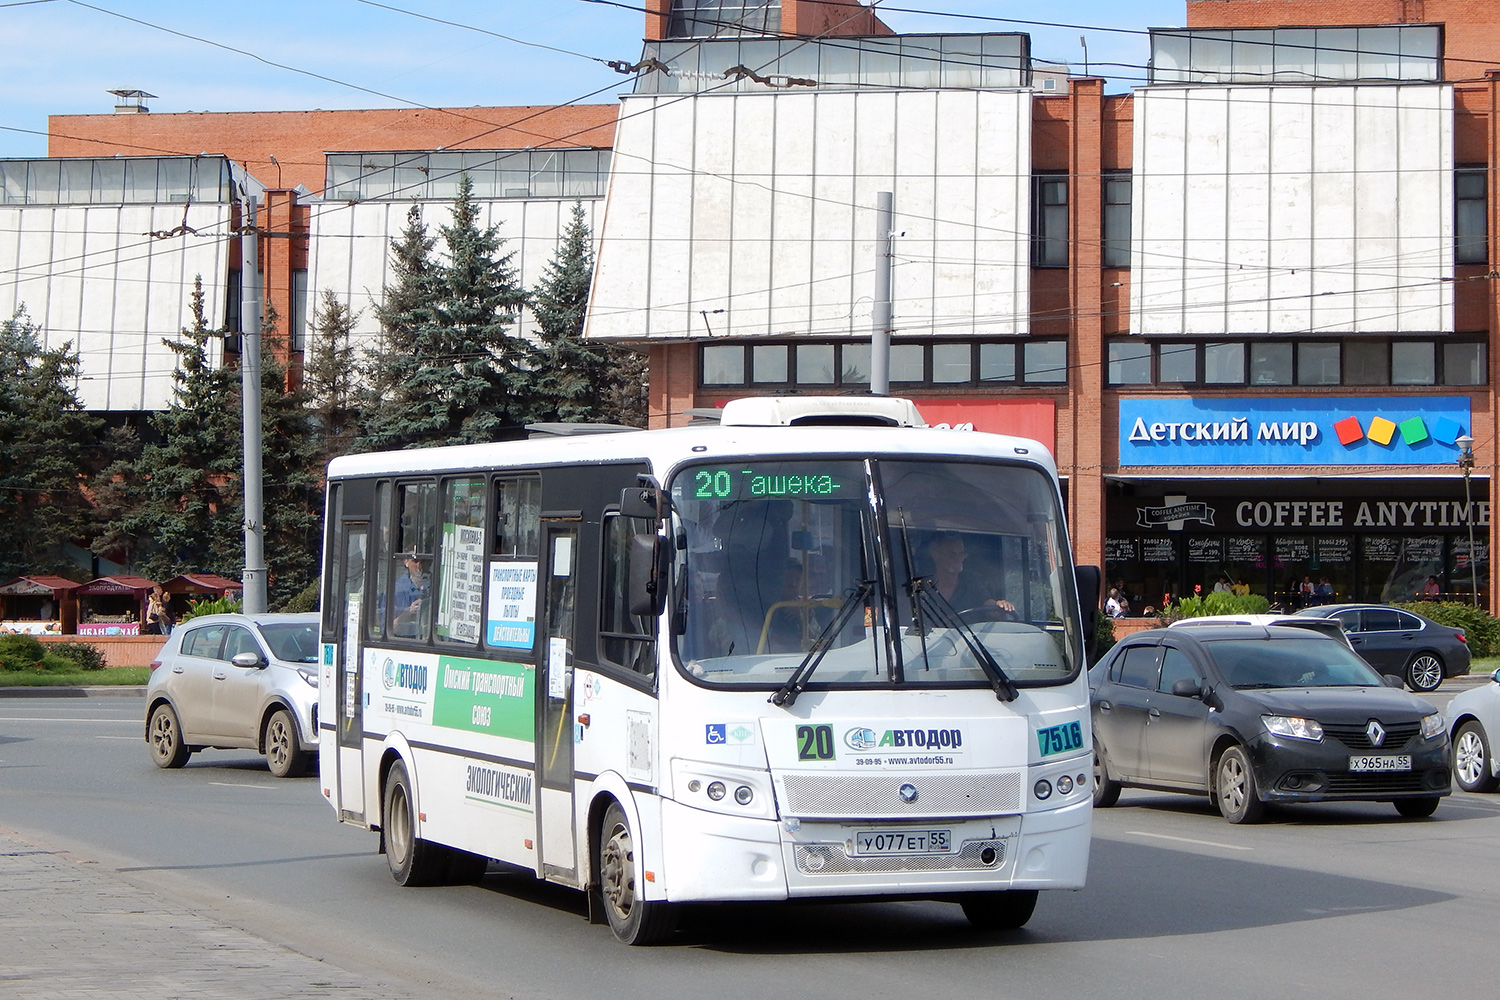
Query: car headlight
311, 676
1297, 729
1432, 725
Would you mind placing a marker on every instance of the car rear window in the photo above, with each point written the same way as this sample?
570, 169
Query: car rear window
1276, 663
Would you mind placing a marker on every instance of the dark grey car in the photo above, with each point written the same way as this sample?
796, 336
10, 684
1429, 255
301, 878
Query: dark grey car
1251, 715
1396, 641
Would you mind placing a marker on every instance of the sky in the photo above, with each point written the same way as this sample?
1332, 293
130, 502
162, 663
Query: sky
64, 56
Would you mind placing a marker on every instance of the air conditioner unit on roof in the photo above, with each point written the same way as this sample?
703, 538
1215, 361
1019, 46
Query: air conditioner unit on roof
787, 411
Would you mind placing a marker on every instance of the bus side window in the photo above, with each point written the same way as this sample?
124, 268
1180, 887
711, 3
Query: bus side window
625, 640
410, 607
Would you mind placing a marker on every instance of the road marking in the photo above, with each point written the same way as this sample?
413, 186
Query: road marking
1189, 840
116, 737
239, 784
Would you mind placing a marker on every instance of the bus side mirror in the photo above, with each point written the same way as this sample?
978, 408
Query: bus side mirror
641, 501
646, 583
1090, 582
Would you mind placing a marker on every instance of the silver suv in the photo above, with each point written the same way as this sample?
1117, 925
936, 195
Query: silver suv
237, 682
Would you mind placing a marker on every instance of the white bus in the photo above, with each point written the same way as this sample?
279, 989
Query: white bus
719, 662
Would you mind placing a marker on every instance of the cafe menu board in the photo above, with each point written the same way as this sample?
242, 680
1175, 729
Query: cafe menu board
1423, 549
1159, 550
1205, 550
1118, 550
1293, 550
1245, 551
1335, 550
1381, 548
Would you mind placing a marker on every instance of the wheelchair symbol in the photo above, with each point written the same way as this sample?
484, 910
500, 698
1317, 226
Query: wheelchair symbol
715, 733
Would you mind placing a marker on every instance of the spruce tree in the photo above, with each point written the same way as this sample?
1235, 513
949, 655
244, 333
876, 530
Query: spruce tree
576, 379
331, 379
291, 477
49, 446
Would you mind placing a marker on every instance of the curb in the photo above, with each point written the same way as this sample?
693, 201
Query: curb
97, 691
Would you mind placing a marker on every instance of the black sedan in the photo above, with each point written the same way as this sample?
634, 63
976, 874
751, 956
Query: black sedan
1396, 641
1252, 715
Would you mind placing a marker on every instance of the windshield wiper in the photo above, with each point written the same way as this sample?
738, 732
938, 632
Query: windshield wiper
787, 693
922, 590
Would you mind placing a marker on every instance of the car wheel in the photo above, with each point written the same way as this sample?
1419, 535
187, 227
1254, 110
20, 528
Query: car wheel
1234, 788
1424, 672
1417, 808
1106, 789
633, 919
1471, 759
1005, 910
413, 862
284, 751
167, 748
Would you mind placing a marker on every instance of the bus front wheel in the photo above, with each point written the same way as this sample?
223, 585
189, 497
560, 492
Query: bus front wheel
1004, 910
413, 862
632, 918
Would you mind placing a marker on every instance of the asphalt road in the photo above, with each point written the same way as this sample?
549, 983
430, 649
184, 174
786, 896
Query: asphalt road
1319, 901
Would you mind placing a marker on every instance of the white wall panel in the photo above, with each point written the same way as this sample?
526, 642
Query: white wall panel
1293, 209
790, 180
95, 277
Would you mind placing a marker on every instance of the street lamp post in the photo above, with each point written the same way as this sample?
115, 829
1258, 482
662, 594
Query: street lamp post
1466, 464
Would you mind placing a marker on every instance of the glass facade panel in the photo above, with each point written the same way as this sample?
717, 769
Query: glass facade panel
1271, 364
45, 177
377, 177
1318, 364
1046, 361
1177, 363
1129, 362
854, 366
1413, 363
1465, 364
1470, 216
997, 362
768, 363
724, 365
908, 363
109, 182
443, 170
1408, 52
77, 182
1367, 363
1224, 364
1116, 222
951, 363
815, 364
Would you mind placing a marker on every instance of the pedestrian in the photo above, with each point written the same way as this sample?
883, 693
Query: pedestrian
156, 612
1112, 604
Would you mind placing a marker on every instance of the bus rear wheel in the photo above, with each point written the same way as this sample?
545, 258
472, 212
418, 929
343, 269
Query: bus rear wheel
413, 862
633, 919
1005, 910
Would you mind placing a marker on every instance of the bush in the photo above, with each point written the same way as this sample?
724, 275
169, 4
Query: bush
1216, 604
307, 600
1481, 629
18, 652
1104, 638
80, 655
214, 606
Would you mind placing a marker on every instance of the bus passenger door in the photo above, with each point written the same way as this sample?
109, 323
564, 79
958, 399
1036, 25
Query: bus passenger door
554, 751
342, 702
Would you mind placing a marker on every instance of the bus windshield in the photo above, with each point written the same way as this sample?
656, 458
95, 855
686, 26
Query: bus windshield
886, 571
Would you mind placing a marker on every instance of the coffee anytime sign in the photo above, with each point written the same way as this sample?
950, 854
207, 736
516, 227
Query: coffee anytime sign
1389, 515
1419, 430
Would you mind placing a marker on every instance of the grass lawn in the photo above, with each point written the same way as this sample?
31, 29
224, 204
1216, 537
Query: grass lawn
74, 678
1486, 665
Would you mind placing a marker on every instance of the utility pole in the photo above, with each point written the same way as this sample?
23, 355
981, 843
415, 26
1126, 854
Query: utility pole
880, 340
254, 577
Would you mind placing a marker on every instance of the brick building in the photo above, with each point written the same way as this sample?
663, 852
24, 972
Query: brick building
1248, 304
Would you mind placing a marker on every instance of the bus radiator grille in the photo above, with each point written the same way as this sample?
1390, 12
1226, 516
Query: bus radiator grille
864, 796
831, 859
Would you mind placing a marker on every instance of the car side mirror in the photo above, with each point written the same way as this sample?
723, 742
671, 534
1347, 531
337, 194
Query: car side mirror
248, 659
1495, 677
1392, 681
1188, 687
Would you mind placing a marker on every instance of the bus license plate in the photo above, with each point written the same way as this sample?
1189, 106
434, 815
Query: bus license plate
902, 842
1368, 763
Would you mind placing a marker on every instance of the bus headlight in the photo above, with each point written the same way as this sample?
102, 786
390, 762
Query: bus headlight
744, 794
716, 790
724, 788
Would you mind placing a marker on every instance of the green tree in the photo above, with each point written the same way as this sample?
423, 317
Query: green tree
49, 447
331, 378
178, 506
291, 476
447, 368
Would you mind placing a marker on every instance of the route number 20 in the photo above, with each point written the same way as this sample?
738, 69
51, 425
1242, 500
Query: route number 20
815, 743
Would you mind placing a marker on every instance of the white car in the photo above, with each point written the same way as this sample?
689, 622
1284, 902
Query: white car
237, 682
1472, 716
1324, 626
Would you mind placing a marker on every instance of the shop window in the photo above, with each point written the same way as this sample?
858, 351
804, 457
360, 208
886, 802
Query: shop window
1224, 364
854, 364
1177, 362
1367, 363
1116, 222
997, 362
1465, 364
1413, 363
1470, 216
1046, 361
951, 363
1049, 221
768, 363
907, 363
1129, 362
724, 365
1318, 364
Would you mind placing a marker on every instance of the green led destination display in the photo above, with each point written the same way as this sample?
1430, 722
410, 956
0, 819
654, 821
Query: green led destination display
782, 480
